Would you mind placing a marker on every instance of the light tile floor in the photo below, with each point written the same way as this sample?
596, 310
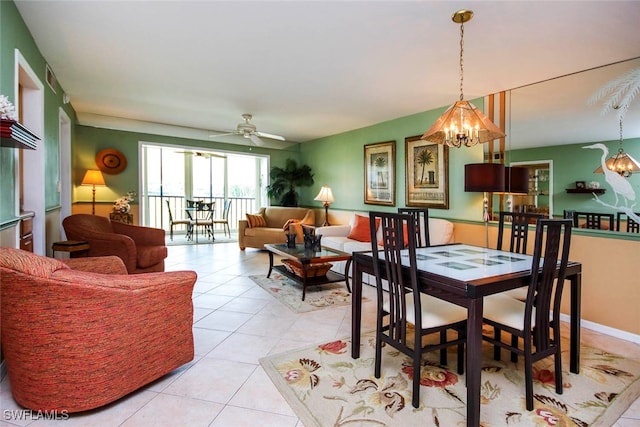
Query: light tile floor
236, 323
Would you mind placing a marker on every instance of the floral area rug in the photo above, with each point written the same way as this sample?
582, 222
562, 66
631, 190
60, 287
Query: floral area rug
326, 387
290, 293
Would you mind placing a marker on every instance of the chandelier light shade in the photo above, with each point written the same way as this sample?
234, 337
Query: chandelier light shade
462, 123
621, 163
326, 197
93, 177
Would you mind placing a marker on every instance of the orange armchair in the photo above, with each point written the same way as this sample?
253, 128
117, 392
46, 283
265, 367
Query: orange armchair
142, 249
75, 340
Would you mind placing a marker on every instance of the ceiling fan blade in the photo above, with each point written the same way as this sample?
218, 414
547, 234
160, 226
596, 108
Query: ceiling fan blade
254, 138
270, 136
215, 135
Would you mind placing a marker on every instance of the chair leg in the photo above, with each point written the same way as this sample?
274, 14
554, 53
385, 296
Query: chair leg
558, 366
415, 400
171, 231
496, 348
378, 361
514, 343
460, 355
443, 351
528, 379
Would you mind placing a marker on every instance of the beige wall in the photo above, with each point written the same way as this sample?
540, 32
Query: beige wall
610, 275
103, 209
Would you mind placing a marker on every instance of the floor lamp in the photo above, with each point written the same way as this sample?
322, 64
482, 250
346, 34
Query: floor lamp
484, 178
93, 177
326, 197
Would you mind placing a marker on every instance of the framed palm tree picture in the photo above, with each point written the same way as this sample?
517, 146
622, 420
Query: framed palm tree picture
427, 173
380, 173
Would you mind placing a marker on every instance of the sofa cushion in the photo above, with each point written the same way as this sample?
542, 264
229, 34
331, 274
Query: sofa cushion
256, 221
277, 216
29, 263
360, 230
440, 231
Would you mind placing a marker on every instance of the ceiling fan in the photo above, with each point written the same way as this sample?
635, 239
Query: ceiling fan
248, 130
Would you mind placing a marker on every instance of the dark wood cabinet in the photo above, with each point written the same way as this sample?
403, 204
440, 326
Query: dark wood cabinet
26, 232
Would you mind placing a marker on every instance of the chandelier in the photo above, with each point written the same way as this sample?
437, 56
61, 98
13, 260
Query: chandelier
621, 162
462, 123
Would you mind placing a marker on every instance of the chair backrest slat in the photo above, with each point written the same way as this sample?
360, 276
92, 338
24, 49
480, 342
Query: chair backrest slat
552, 244
420, 218
519, 230
394, 240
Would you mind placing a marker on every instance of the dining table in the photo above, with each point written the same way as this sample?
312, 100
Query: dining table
463, 275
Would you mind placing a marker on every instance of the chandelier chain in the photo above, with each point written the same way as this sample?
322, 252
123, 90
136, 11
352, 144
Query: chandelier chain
461, 60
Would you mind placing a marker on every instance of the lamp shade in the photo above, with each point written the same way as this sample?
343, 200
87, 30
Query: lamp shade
484, 177
462, 124
516, 180
621, 163
93, 177
325, 195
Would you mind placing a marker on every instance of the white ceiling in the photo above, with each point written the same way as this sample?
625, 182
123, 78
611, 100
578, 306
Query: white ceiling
308, 69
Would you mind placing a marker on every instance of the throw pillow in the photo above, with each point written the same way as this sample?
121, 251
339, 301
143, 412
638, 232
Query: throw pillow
360, 229
256, 221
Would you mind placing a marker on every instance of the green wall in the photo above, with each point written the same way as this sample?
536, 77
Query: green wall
15, 35
338, 161
573, 163
90, 140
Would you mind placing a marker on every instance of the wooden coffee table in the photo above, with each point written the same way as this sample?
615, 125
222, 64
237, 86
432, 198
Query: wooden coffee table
305, 260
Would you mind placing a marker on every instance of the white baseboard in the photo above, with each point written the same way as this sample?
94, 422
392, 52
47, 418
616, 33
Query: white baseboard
617, 333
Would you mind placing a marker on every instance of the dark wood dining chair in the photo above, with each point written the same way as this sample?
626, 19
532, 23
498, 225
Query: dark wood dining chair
404, 304
421, 219
631, 226
591, 220
519, 230
537, 320
173, 222
225, 218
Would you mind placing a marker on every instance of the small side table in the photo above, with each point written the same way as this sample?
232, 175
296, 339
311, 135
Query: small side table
75, 248
126, 218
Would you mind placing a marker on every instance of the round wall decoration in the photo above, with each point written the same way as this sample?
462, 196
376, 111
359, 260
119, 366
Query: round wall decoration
111, 161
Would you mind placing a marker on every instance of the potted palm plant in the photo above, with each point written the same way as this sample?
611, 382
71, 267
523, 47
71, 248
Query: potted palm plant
285, 180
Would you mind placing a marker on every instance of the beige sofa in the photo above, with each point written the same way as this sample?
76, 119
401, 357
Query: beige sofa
275, 217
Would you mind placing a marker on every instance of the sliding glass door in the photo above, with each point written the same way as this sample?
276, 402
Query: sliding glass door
171, 175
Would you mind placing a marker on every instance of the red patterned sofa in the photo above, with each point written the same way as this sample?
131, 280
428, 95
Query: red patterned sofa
74, 339
142, 249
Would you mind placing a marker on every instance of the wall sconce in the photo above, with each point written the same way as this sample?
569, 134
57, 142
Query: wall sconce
93, 177
326, 197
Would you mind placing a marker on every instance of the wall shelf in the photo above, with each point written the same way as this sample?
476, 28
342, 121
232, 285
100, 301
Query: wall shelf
14, 135
585, 190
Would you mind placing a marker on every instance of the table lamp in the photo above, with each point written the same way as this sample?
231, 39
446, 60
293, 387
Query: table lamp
326, 197
484, 178
93, 177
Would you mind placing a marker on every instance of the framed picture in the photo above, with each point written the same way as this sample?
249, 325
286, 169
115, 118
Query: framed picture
380, 173
427, 173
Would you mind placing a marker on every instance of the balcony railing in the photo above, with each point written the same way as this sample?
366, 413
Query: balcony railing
159, 216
